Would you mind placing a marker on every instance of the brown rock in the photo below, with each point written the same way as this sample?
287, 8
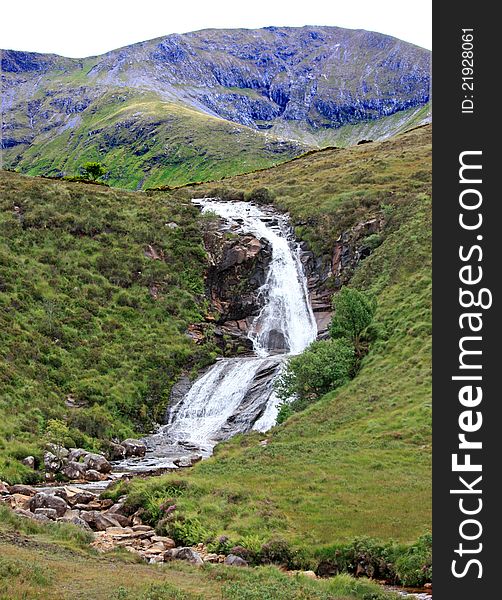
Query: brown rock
21, 501
50, 513
168, 542
93, 475
98, 521
211, 558
141, 527
82, 497
123, 521
24, 513
43, 500
25, 490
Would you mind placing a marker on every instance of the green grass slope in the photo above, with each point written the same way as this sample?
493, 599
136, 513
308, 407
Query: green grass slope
55, 561
358, 462
92, 324
143, 140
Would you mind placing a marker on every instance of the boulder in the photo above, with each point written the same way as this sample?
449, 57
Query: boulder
184, 553
116, 451
93, 475
50, 513
118, 508
42, 518
43, 500
83, 497
24, 513
235, 561
21, 501
74, 470
52, 463
123, 521
99, 521
25, 490
76, 454
168, 542
134, 447
75, 521
70, 513
97, 462
29, 462
61, 493
57, 450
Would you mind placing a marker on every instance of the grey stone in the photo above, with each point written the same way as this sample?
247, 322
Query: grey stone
50, 513
43, 500
235, 561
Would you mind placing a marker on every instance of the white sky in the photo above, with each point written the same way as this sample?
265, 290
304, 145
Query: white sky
90, 27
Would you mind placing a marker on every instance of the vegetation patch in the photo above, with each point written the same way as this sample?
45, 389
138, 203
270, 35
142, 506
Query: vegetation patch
97, 289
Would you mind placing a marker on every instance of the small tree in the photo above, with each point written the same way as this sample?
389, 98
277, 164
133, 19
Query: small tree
93, 170
56, 433
354, 312
324, 366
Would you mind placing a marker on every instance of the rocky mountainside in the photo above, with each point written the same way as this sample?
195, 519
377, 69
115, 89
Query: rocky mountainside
208, 103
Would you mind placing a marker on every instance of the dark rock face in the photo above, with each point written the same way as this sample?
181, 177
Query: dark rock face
327, 274
238, 267
20, 62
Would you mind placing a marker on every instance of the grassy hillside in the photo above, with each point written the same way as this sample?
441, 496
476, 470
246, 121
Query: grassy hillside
358, 461
55, 561
92, 322
142, 139
93, 328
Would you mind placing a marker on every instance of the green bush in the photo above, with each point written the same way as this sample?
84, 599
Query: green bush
400, 564
187, 531
414, 567
260, 195
324, 366
353, 314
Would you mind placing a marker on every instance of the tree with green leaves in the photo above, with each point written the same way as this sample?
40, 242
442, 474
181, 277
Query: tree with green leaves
353, 314
324, 366
56, 434
93, 170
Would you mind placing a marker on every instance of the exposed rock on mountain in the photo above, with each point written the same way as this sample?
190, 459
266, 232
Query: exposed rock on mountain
209, 103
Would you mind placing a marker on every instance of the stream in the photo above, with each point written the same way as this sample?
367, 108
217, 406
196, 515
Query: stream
236, 395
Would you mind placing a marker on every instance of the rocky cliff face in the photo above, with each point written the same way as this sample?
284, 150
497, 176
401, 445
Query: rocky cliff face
205, 104
237, 268
327, 274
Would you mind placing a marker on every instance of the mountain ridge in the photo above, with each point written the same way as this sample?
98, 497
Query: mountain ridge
297, 87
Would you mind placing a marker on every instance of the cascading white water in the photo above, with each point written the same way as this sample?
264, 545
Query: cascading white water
285, 323
286, 312
236, 394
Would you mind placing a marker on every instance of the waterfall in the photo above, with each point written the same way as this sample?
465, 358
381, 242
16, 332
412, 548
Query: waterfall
236, 395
